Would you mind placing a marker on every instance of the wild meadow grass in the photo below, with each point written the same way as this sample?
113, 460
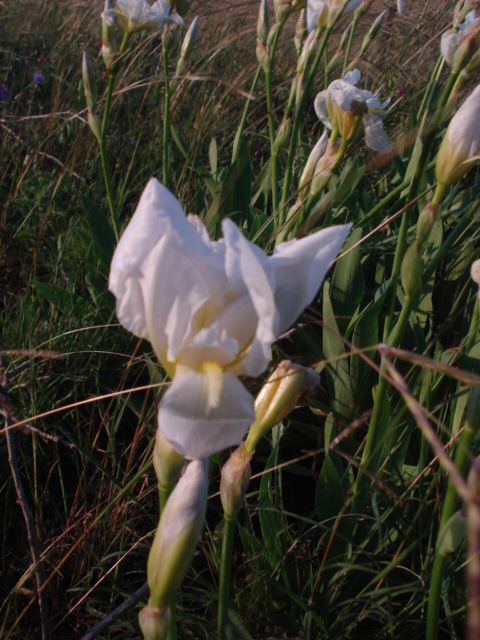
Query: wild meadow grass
338, 535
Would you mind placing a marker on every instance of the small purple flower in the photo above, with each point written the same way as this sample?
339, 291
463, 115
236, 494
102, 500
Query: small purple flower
5, 93
37, 78
27, 62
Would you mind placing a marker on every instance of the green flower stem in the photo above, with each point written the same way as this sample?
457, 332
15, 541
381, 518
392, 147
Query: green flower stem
241, 126
450, 505
112, 76
166, 112
229, 524
164, 492
271, 131
271, 122
109, 188
371, 451
297, 122
428, 90
353, 28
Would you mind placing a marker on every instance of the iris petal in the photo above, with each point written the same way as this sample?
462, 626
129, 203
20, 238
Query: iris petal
300, 267
194, 427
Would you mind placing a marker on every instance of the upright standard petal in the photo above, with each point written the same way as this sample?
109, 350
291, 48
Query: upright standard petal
375, 135
320, 106
242, 261
316, 9
342, 105
205, 411
460, 148
299, 267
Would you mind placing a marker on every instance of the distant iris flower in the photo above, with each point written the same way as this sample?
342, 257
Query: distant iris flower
343, 106
319, 10
451, 39
138, 15
38, 78
5, 93
211, 311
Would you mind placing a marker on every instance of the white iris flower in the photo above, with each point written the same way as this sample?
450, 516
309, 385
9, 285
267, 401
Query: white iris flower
211, 311
137, 15
343, 106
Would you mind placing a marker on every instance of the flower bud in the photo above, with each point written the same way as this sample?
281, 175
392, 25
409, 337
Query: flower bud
467, 48
308, 172
89, 84
282, 136
179, 528
276, 399
426, 221
189, 40
94, 124
324, 168
300, 32
179, 71
306, 53
262, 56
374, 29
154, 622
452, 534
166, 462
411, 270
282, 10
361, 9
263, 24
234, 481
460, 147
108, 43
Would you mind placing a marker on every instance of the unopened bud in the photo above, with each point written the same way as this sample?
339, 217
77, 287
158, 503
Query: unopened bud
306, 53
362, 9
179, 71
426, 221
176, 538
94, 124
411, 270
263, 24
324, 168
452, 534
262, 56
460, 148
189, 40
167, 462
154, 622
276, 399
107, 34
234, 481
282, 137
282, 10
374, 29
89, 84
300, 31
308, 172
467, 48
